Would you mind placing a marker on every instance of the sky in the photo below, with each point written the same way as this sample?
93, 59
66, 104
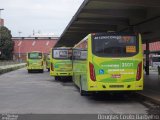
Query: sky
43, 16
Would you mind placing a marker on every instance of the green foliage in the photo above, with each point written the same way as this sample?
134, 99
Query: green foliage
6, 44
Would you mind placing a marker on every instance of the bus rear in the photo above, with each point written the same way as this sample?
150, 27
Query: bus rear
35, 61
115, 62
61, 65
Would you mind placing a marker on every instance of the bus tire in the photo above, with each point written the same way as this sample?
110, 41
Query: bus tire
56, 78
41, 71
82, 92
71, 78
48, 69
29, 71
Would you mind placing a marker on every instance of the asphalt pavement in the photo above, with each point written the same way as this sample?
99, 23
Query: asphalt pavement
39, 93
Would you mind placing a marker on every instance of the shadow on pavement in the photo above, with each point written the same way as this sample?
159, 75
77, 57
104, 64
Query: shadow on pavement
112, 96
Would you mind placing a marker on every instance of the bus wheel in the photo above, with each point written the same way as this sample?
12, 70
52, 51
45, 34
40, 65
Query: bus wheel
71, 78
29, 71
41, 71
48, 69
56, 78
82, 92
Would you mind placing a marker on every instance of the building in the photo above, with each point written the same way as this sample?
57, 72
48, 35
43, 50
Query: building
154, 49
23, 45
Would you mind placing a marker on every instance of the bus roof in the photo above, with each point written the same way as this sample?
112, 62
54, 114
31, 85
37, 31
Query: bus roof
155, 55
62, 48
35, 51
82, 40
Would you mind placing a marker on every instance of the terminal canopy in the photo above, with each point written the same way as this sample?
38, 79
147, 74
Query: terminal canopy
113, 15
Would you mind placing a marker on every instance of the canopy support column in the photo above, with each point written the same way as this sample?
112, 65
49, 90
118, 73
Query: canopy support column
147, 58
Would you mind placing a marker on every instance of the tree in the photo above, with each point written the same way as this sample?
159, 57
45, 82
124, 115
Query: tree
6, 44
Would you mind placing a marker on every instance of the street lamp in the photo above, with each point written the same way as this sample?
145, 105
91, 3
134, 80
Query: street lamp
0, 27
0, 11
0, 15
19, 46
19, 33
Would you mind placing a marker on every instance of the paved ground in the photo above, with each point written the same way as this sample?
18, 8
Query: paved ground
152, 87
21, 92
152, 81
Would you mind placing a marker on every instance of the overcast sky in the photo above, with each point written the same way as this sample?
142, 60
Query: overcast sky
46, 16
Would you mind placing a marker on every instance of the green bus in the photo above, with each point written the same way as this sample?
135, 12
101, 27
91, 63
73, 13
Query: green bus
35, 61
48, 62
61, 65
108, 62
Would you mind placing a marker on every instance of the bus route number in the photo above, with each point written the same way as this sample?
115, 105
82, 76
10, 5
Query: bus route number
127, 64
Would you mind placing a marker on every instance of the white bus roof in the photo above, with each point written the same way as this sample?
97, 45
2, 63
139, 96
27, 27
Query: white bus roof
156, 56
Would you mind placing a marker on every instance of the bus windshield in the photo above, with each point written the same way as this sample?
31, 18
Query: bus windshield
61, 53
114, 45
35, 55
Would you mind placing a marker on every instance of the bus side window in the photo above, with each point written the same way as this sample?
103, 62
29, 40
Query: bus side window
83, 54
79, 54
75, 54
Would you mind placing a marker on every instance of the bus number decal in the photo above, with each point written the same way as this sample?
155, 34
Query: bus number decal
127, 65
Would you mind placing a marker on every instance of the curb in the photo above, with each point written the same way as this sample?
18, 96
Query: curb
12, 68
149, 98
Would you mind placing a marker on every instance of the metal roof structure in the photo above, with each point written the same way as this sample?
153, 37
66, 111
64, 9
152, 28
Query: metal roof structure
113, 15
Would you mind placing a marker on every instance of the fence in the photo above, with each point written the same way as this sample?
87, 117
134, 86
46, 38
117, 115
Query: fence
3, 63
